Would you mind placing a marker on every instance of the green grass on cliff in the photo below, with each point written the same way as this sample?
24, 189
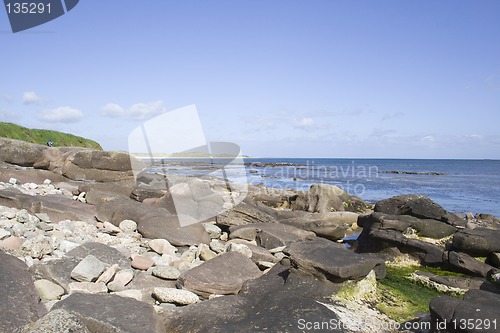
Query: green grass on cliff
12, 131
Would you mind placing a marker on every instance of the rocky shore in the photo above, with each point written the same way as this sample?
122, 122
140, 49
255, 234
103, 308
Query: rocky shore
87, 247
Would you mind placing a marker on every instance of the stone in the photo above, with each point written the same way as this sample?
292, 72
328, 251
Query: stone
204, 252
13, 181
19, 301
57, 321
240, 248
327, 260
145, 282
121, 279
38, 246
467, 264
87, 288
104, 253
141, 262
321, 198
106, 313
130, 293
111, 228
43, 217
213, 231
494, 259
66, 245
47, 182
166, 272
22, 216
478, 242
224, 274
57, 270
4, 234
418, 206
108, 274
476, 306
258, 253
11, 243
244, 213
176, 296
48, 290
128, 226
217, 246
88, 270
162, 246
270, 235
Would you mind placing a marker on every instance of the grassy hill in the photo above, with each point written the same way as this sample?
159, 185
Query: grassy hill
12, 131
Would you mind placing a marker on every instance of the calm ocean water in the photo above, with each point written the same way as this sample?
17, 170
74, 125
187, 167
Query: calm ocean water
457, 185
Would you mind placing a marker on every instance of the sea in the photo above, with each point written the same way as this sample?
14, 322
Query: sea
457, 185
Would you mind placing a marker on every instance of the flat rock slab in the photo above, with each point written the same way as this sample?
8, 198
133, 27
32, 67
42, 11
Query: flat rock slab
478, 241
57, 207
327, 260
223, 275
270, 235
111, 313
19, 301
104, 253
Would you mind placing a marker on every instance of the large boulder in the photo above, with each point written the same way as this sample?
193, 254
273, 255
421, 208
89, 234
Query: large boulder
224, 275
418, 206
19, 301
476, 312
20, 152
327, 260
321, 198
478, 242
110, 313
97, 165
467, 264
270, 235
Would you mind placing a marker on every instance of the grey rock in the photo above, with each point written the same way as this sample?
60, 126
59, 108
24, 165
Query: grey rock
128, 226
57, 321
88, 270
224, 274
22, 216
176, 296
107, 313
467, 264
244, 213
20, 152
494, 259
270, 235
104, 253
38, 246
48, 290
87, 288
4, 234
166, 272
19, 301
327, 260
321, 198
478, 242
213, 231
204, 252
217, 246
240, 248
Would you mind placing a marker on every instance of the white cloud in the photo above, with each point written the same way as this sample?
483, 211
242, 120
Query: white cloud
138, 111
304, 123
30, 97
63, 114
428, 138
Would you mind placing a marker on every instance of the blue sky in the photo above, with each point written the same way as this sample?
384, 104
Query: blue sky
390, 79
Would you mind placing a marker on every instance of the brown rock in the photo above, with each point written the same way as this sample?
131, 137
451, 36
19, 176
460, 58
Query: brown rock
141, 262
